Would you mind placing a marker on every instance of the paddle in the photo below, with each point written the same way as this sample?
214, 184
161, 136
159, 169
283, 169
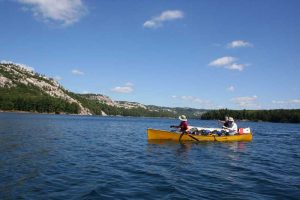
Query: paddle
193, 137
184, 132
188, 135
180, 136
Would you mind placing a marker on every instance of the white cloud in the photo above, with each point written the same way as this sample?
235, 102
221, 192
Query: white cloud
193, 99
66, 12
235, 66
246, 102
128, 88
291, 101
28, 68
295, 101
196, 101
124, 89
231, 88
238, 44
287, 104
77, 72
168, 15
228, 62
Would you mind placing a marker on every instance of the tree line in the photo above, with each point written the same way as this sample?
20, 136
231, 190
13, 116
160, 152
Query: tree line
97, 107
278, 115
32, 99
22, 98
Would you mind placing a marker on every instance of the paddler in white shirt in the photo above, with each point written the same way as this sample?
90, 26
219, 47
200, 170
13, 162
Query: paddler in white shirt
232, 128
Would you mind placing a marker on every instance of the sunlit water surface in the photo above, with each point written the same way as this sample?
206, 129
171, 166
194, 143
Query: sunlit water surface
87, 157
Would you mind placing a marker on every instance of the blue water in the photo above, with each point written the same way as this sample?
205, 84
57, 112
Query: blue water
87, 157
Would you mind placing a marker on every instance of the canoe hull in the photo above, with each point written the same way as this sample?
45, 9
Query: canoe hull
154, 134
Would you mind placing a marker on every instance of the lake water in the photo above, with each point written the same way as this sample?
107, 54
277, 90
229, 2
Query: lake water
88, 157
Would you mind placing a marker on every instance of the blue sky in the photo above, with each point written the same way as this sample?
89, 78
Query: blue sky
202, 54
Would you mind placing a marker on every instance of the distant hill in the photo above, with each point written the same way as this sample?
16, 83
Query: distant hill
276, 115
22, 89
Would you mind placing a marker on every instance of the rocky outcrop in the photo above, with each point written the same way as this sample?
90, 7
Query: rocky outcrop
16, 74
130, 105
120, 104
5, 82
101, 98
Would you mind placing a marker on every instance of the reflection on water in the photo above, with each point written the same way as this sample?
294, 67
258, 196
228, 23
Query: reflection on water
83, 157
184, 148
235, 146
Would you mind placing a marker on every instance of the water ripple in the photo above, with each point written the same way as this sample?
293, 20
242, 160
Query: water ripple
73, 157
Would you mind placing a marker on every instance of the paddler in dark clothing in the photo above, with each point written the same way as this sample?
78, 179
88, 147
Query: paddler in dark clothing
183, 124
225, 122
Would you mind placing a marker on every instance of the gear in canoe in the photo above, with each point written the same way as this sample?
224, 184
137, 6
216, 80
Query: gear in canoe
184, 132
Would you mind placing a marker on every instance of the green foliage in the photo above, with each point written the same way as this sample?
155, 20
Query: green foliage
97, 107
31, 99
279, 115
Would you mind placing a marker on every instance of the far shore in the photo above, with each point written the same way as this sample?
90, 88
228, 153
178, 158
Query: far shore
72, 114
33, 112
45, 113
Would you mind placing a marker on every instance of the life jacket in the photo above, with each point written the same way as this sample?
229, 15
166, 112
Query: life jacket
183, 126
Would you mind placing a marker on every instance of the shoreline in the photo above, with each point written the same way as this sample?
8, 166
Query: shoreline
42, 113
72, 114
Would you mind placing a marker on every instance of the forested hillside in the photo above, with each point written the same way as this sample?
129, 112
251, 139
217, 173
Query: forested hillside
279, 115
22, 89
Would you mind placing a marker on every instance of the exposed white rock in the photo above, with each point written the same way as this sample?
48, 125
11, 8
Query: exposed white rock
27, 77
121, 104
103, 113
5, 82
22, 66
24, 75
55, 91
129, 105
103, 99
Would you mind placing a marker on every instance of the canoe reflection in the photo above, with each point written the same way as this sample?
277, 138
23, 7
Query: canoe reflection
186, 145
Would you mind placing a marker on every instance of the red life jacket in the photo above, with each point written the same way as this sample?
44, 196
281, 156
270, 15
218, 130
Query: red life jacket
183, 125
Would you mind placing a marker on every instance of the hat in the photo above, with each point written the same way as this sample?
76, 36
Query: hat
230, 119
182, 118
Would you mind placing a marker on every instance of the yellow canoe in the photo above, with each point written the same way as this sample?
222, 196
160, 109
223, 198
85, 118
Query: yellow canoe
154, 134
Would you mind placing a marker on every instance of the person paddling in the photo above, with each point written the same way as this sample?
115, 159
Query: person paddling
183, 124
225, 122
232, 128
